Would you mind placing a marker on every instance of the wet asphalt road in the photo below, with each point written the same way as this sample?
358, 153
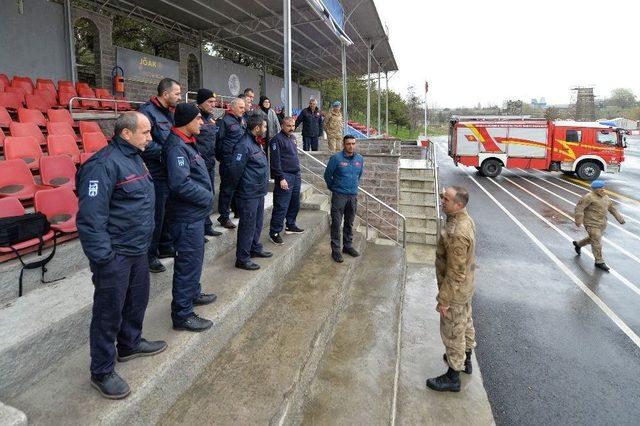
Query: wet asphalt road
557, 340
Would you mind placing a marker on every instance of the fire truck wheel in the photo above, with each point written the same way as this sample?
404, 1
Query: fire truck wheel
588, 170
491, 168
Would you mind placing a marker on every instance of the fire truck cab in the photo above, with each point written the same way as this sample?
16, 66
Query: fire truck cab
491, 143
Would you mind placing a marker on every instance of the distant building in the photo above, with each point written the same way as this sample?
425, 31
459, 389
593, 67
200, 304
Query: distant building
541, 103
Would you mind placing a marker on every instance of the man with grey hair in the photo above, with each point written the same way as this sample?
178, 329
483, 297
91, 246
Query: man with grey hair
115, 225
312, 125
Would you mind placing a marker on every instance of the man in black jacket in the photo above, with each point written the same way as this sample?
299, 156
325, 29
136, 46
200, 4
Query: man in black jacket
115, 223
312, 125
206, 145
189, 203
285, 169
249, 173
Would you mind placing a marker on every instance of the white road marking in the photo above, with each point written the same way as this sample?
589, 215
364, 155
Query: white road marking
582, 286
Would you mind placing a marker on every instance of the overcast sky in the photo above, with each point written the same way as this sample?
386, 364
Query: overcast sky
488, 51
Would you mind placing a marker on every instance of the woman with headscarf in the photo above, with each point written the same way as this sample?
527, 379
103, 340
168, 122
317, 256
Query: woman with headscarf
270, 116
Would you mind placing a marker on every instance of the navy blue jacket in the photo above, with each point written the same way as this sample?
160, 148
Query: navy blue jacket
206, 140
343, 173
116, 200
230, 131
190, 192
161, 120
312, 122
249, 169
284, 156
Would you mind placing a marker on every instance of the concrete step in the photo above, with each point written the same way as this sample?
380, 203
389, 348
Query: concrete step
409, 185
354, 384
428, 226
416, 174
421, 238
417, 198
410, 210
316, 201
262, 374
62, 394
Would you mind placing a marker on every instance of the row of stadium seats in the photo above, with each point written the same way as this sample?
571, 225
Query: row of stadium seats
20, 91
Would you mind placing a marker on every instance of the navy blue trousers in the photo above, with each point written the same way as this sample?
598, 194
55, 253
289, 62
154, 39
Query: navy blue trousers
119, 303
225, 194
207, 220
161, 239
309, 143
187, 267
286, 204
250, 226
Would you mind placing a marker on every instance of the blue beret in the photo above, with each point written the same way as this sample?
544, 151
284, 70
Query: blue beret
597, 184
336, 104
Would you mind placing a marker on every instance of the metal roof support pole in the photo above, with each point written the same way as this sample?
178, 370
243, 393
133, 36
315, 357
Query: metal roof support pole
379, 106
263, 79
286, 10
368, 90
201, 46
386, 107
71, 45
345, 110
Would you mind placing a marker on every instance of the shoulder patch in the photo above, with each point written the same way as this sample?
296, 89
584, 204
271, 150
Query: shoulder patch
181, 162
274, 146
93, 188
238, 157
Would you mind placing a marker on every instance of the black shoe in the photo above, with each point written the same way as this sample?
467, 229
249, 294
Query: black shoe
577, 248
337, 256
193, 323
212, 232
293, 230
261, 254
166, 254
468, 367
227, 223
603, 266
248, 266
276, 239
448, 382
156, 266
145, 348
351, 251
111, 385
205, 299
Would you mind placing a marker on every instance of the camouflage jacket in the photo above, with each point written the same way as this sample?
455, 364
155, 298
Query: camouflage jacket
592, 210
456, 260
333, 124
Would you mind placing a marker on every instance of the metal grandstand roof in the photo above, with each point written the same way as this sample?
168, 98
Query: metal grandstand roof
254, 27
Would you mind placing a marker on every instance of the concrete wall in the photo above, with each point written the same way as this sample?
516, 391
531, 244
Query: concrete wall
307, 93
217, 76
33, 44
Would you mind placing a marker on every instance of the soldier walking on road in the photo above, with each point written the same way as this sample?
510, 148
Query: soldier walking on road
591, 211
455, 266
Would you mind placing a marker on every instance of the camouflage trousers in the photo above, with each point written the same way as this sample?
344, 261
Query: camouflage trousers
335, 143
595, 239
458, 334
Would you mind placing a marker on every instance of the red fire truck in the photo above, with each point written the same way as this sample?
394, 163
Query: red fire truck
491, 143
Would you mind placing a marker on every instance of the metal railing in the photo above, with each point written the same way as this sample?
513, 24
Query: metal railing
115, 101
432, 163
367, 211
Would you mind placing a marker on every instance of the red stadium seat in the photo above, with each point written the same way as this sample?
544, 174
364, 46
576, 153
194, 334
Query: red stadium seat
18, 91
58, 170
3, 85
93, 141
37, 102
10, 100
1, 138
26, 84
50, 96
89, 126
24, 148
27, 129
65, 83
60, 206
45, 83
60, 116
5, 118
54, 128
104, 94
63, 145
123, 106
85, 156
82, 86
88, 93
4, 80
65, 94
17, 181
26, 115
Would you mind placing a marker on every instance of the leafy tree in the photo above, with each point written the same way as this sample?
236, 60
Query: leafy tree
623, 98
551, 113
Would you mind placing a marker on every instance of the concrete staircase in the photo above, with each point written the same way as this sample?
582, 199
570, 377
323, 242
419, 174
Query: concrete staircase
418, 202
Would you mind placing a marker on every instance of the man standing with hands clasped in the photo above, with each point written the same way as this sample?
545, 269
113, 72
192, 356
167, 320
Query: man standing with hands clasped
455, 266
591, 211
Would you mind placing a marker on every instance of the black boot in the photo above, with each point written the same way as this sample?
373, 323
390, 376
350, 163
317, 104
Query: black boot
111, 385
468, 367
156, 266
576, 247
603, 266
448, 382
193, 323
145, 348
204, 299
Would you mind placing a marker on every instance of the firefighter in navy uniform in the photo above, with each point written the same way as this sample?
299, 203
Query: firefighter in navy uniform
190, 198
231, 127
115, 223
206, 145
249, 173
159, 111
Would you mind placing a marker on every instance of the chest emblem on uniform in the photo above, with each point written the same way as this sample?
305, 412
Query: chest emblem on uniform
180, 161
344, 164
238, 157
93, 188
358, 164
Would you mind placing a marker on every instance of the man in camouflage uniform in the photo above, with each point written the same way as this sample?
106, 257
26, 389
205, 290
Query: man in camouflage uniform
591, 211
334, 126
455, 266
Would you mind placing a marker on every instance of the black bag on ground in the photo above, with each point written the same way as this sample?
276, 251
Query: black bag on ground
18, 229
